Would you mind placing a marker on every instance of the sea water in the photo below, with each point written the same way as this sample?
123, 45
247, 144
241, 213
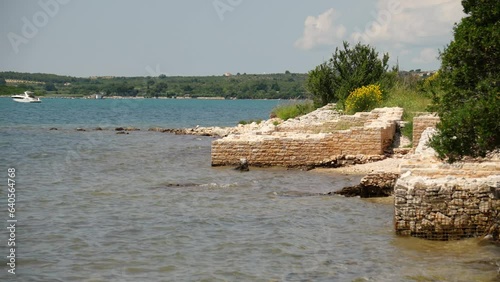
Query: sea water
147, 206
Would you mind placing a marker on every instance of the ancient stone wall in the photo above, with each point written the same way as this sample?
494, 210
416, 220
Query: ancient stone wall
420, 123
447, 208
441, 201
299, 149
294, 144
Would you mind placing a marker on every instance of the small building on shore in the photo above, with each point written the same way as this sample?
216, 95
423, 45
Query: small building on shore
95, 96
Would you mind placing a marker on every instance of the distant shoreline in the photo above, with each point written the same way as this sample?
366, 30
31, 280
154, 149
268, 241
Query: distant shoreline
151, 98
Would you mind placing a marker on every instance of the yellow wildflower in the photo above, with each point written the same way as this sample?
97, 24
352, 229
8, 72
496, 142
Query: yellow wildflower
364, 98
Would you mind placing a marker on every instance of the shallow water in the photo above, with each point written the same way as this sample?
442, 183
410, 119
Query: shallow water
96, 206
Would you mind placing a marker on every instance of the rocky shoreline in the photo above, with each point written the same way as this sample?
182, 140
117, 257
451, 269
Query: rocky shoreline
433, 199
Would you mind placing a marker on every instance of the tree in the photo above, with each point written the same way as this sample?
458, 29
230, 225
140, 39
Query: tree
49, 86
187, 89
2, 81
260, 85
275, 86
122, 89
347, 70
469, 107
160, 88
319, 84
357, 67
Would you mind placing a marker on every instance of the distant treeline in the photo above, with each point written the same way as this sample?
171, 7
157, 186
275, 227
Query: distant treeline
241, 86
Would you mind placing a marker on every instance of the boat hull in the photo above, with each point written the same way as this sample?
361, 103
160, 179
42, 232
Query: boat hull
25, 101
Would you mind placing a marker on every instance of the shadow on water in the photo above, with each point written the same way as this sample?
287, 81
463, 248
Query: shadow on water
462, 260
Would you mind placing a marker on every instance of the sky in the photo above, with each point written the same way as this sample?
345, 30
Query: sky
211, 37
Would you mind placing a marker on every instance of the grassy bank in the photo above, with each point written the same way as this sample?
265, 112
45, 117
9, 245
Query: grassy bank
409, 97
293, 109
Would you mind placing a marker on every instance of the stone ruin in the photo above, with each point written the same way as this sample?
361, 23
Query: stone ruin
440, 201
321, 138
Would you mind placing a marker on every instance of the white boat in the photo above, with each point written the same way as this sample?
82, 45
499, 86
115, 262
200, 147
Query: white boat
27, 97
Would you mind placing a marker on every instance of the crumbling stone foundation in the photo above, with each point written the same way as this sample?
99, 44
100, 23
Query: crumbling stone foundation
447, 208
421, 123
316, 145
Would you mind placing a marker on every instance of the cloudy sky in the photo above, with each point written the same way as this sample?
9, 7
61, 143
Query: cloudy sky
211, 37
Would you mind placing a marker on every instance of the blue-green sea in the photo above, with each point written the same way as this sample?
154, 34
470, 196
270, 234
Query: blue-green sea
147, 206
170, 113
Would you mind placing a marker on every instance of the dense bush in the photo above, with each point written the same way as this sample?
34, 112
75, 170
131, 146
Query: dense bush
363, 99
469, 107
470, 130
320, 84
348, 69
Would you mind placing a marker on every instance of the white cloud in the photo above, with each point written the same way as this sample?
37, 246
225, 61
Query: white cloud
410, 31
404, 52
321, 30
427, 55
410, 22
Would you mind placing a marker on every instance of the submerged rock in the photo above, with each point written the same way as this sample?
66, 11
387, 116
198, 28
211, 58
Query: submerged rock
130, 128
181, 185
372, 185
350, 191
492, 236
243, 166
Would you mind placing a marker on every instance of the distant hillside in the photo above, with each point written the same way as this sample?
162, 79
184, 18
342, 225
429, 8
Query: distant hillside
241, 86
39, 77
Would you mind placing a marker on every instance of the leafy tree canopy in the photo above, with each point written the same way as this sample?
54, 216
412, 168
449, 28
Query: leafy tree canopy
469, 107
348, 69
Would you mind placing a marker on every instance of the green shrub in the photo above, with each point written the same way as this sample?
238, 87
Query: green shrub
471, 130
292, 110
469, 107
363, 99
348, 69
